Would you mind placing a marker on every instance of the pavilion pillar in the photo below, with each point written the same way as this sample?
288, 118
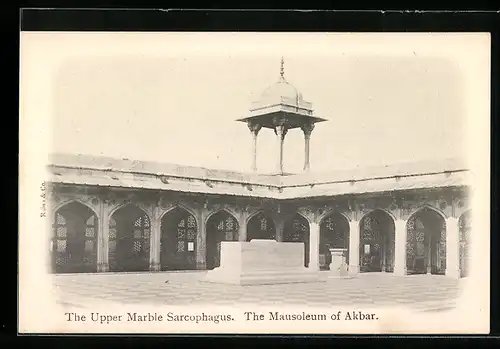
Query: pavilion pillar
400, 268
313, 246
280, 131
452, 248
103, 237
154, 241
254, 129
307, 129
354, 247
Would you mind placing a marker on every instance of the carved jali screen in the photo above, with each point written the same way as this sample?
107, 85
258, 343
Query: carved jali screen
74, 242
129, 243
297, 230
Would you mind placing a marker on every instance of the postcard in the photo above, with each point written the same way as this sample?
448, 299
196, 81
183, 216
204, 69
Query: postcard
260, 183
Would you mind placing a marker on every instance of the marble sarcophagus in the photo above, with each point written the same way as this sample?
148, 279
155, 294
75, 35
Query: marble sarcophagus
261, 262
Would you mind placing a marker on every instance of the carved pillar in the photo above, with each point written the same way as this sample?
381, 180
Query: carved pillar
280, 131
452, 248
154, 241
307, 129
103, 237
354, 247
254, 129
201, 240
280, 226
400, 248
313, 246
242, 226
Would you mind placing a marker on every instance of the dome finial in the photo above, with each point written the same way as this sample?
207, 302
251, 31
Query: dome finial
282, 70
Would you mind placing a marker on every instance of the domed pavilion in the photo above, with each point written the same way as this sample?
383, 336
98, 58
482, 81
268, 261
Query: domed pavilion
281, 107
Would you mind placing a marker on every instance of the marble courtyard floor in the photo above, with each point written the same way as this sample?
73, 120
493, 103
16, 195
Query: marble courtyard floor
421, 292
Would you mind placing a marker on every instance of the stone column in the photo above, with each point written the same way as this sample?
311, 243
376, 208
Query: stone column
280, 225
154, 242
307, 129
430, 250
103, 237
242, 226
314, 246
201, 240
452, 248
254, 129
400, 248
280, 131
353, 247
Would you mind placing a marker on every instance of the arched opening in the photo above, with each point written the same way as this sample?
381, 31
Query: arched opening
377, 242
465, 227
297, 230
74, 239
261, 226
129, 232
426, 243
178, 240
333, 233
221, 226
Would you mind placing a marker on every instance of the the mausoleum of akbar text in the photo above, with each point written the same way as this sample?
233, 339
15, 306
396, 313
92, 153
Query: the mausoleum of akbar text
123, 215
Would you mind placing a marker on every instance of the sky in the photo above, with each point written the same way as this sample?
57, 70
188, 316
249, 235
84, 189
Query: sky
173, 97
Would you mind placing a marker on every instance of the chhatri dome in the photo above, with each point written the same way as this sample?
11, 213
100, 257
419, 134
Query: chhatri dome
281, 92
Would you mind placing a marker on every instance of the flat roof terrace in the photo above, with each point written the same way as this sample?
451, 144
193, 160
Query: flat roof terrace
126, 173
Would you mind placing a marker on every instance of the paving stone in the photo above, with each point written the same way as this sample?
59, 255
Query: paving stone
422, 291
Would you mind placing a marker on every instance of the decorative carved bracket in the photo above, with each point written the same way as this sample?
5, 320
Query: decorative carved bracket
254, 127
307, 129
311, 213
281, 130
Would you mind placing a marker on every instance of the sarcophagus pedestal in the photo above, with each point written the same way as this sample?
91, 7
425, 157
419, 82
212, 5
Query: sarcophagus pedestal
338, 265
261, 262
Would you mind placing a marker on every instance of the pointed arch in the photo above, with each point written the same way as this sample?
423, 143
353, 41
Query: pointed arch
331, 212
74, 238
124, 205
465, 214
427, 207
377, 241
217, 211
262, 212
265, 228
221, 226
179, 229
297, 215
333, 233
129, 238
426, 241
182, 207
387, 212
69, 201
296, 229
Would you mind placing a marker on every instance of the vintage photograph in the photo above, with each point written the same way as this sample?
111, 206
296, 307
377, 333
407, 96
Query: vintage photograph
254, 183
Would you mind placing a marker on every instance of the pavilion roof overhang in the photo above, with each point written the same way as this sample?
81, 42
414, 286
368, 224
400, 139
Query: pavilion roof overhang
272, 116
